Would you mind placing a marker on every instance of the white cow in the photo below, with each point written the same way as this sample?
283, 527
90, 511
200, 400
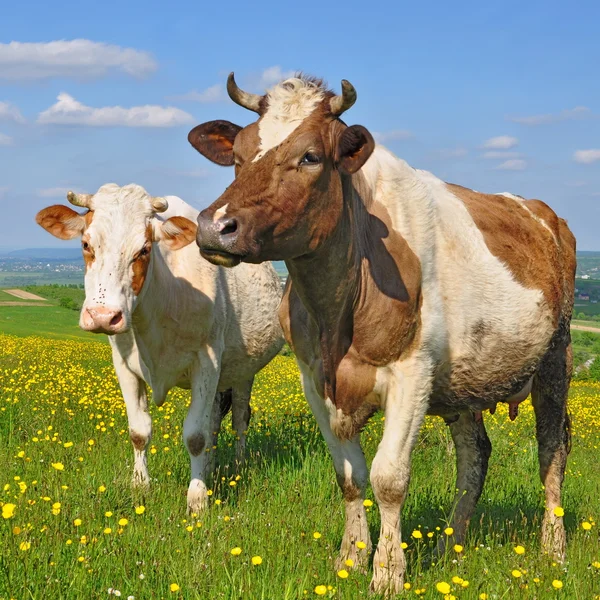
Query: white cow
173, 318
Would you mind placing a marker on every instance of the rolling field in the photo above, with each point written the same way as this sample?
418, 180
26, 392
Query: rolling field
74, 528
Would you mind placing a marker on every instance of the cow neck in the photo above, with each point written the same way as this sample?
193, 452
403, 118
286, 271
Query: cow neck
328, 281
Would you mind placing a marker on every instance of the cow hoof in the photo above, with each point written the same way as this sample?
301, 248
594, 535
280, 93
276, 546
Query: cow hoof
196, 503
386, 584
354, 559
554, 539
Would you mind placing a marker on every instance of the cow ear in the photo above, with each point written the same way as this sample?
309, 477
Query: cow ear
61, 221
355, 145
177, 232
214, 140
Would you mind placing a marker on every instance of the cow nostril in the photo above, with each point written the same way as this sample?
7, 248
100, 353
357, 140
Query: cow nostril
116, 319
228, 226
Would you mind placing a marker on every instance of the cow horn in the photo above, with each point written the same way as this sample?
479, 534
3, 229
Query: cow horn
159, 204
239, 96
83, 200
340, 104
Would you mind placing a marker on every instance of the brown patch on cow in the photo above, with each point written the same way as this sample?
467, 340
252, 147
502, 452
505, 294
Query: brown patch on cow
195, 444
532, 250
139, 442
141, 262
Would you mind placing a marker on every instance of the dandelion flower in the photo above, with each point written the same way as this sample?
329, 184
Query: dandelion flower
559, 511
442, 587
123, 522
368, 503
458, 548
8, 510
174, 587
108, 513
102, 489
256, 560
404, 545
519, 550
58, 466
24, 546
107, 530
417, 534
586, 526
236, 551
361, 545
140, 510
407, 586
343, 574
516, 573
321, 590
483, 596
349, 562
316, 535
448, 531
77, 522
557, 584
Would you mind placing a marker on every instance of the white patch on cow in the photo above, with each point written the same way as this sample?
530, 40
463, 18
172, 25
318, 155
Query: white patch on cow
289, 103
220, 212
521, 202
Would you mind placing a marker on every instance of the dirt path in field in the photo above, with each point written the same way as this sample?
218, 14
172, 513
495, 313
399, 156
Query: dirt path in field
25, 304
585, 328
24, 295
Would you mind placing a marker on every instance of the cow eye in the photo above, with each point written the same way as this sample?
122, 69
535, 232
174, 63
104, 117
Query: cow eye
85, 246
310, 158
144, 251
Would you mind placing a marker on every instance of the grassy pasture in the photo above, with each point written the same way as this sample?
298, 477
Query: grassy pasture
60, 406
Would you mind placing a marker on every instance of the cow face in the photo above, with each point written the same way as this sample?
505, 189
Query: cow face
287, 197
117, 234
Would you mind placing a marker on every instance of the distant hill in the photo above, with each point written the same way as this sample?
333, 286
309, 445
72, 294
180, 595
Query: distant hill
46, 254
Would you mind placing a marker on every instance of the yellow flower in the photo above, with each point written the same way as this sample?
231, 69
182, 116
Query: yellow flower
8, 510
58, 466
559, 512
256, 560
442, 587
456, 579
91, 442
108, 513
321, 590
81, 558
404, 545
209, 493
483, 596
123, 522
407, 586
24, 546
596, 564
232, 483
77, 522
557, 584
217, 502
417, 534
107, 530
458, 548
586, 526
102, 489
343, 574
174, 587
16, 530
236, 551
368, 503
316, 535
349, 562
140, 510
448, 531
516, 573
361, 545
519, 550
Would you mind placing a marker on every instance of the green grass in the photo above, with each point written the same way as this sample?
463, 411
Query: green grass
48, 321
56, 392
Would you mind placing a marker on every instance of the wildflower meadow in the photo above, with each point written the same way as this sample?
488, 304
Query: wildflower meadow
72, 526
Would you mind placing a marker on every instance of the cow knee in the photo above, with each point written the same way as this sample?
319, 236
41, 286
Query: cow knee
390, 483
139, 440
195, 443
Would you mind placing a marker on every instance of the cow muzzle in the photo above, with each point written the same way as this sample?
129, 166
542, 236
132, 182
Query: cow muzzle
100, 319
218, 239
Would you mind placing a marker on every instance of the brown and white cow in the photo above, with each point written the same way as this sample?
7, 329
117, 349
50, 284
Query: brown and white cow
408, 295
173, 318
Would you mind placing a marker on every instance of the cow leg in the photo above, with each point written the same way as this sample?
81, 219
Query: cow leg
199, 423
473, 449
549, 395
405, 407
351, 473
140, 423
240, 417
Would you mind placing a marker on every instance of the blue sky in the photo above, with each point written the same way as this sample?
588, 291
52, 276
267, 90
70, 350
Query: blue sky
494, 96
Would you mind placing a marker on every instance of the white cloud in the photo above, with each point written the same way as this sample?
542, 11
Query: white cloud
579, 112
500, 154
83, 59
215, 93
5, 140
501, 142
272, 75
54, 192
449, 153
392, 136
587, 157
10, 112
68, 111
514, 164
